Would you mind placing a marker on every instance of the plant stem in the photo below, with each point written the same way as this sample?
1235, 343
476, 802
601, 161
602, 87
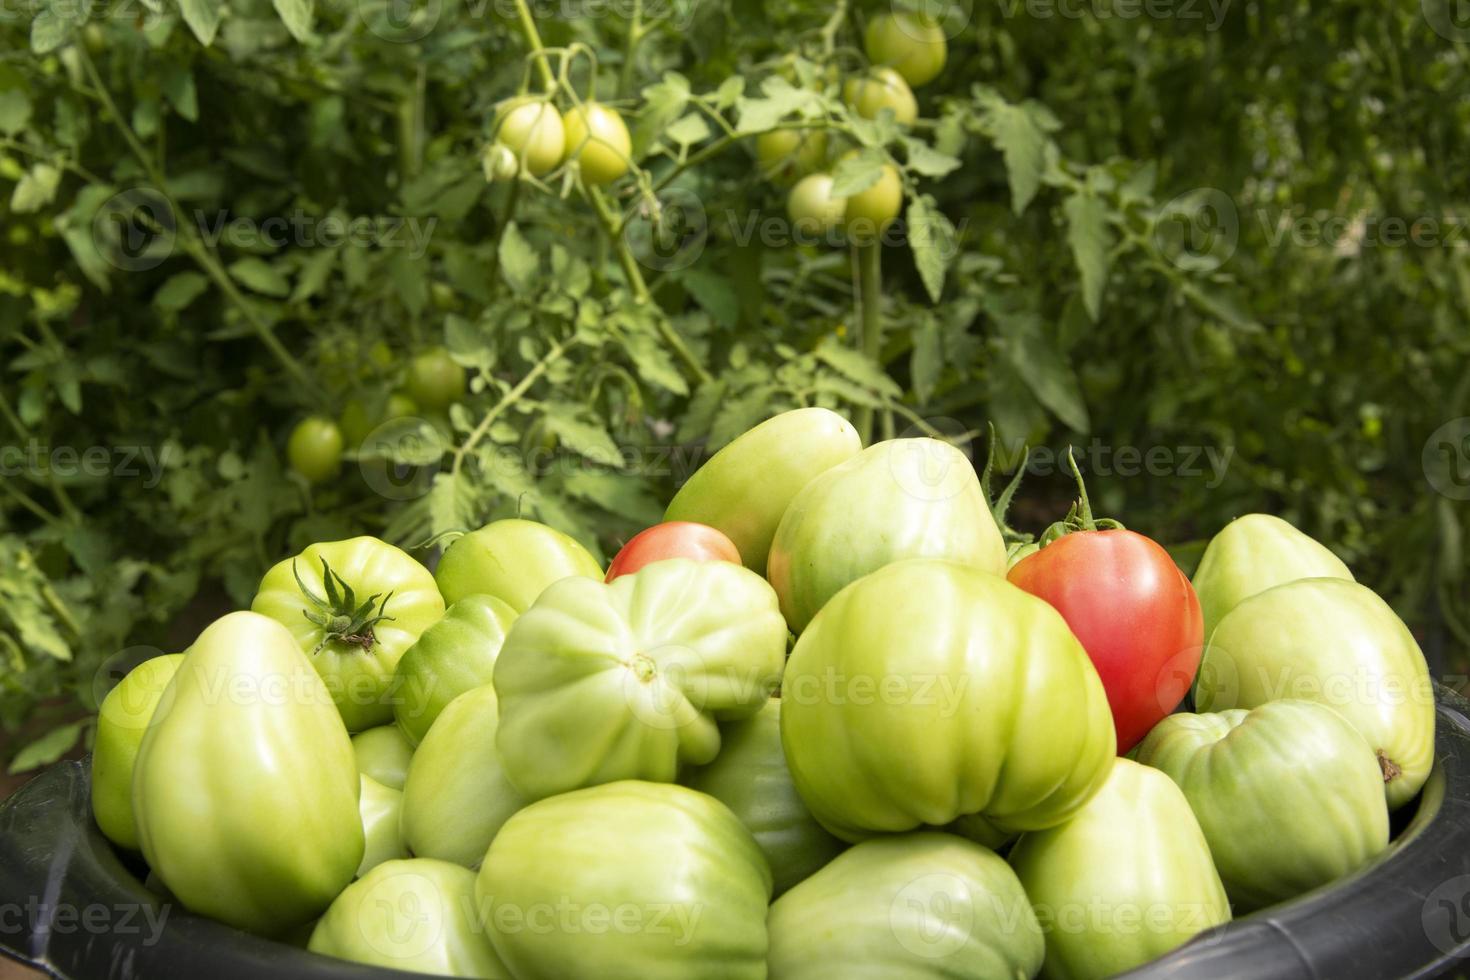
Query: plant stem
508, 400
630, 55
833, 25
613, 229
533, 41
868, 257
199, 252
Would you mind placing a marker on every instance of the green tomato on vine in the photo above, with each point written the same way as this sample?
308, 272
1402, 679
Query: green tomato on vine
434, 380
882, 88
868, 212
597, 138
533, 131
314, 448
786, 154
813, 208
911, 44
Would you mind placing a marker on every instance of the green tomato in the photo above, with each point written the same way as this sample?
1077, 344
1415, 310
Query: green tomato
1252, 554
435, 380
457, 795
929, 691
416, 915
786, 154
381, 808
513, 560
358, 421
1337, 643
871, 210
355, 652
597, 138
1288, 795
1125, 881
913, 905
122, 721
245, 788
750, 777
453, 656
911, 44
600, 682
626, 881
532, 129
315, 449
745, 487
383, 753
813, 209
882, 88
904, 498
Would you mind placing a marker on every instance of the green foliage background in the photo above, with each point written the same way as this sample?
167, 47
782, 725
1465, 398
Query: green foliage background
1157, 231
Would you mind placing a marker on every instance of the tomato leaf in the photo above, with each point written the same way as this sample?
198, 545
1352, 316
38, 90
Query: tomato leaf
1090, 238
1037, 363
46, 749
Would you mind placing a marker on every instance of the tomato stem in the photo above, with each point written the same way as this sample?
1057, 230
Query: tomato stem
868, 257
533, 41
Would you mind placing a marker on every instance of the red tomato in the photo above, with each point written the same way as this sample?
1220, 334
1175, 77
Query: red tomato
672, 539
1134, 612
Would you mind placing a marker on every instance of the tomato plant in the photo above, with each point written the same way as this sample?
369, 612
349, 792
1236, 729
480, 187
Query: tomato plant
533, 130
1130, 605
434, 380
672, 539
879, 89
315, 449
598, 140
912, 44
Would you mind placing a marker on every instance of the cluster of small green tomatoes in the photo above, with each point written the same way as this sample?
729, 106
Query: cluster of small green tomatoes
906, 50
531, 135
431, 383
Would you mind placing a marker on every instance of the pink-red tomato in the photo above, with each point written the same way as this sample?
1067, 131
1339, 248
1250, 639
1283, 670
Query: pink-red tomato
1135, 613
672, 539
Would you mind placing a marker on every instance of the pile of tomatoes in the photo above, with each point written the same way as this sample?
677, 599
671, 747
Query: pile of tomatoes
825, 721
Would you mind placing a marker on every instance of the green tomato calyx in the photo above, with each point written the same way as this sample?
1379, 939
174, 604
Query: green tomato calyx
1079, 518
643, 667
338, 615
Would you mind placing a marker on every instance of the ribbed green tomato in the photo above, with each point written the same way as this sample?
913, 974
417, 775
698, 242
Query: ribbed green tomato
1252, 554
457, 795
882, 88
513, 560
122, 721
904, 498
381, 808
871, 210
597, 138
454, 655
245, 788
383, 753
435, 380
1125, 881
416, 915
911, 44
1335, 642
813, 209
750, 777
929, 691
626, 881
745, 487
914, 905
314, 449
1288, 795
320, 594
601, 682
534, 132
786, 154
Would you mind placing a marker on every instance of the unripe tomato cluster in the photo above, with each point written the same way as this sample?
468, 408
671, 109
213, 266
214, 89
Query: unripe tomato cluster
905, 49
532, 136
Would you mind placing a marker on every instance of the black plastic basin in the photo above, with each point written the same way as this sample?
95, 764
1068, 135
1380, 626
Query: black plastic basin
72, 906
